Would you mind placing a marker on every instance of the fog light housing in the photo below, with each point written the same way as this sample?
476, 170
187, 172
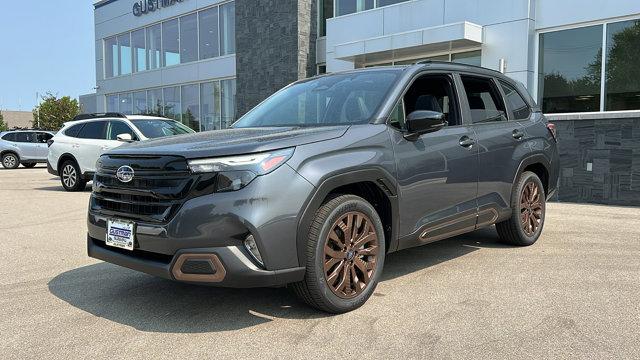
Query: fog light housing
252, 248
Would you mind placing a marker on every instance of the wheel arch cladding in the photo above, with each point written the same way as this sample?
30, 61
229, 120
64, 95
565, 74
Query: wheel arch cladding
537, 164
64, 157
375, 186
2, 154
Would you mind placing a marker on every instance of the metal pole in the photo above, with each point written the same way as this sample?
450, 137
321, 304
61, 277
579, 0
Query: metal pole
38, 111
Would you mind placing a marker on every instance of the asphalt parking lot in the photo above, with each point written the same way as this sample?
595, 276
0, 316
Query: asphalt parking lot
575, 294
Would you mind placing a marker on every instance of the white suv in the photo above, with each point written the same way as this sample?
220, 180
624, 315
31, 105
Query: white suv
74, 150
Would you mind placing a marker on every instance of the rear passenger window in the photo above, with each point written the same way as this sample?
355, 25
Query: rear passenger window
43, 137
485, 101
9, 137
24, 137
73, 131
93, 130
516, 103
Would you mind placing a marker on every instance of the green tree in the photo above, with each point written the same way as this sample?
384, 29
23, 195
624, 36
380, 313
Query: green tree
3, 125
54, 111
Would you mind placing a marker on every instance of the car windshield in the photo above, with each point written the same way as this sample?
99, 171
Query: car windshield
350, 98
155, 128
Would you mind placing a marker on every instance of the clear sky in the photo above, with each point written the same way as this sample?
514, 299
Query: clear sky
45, 46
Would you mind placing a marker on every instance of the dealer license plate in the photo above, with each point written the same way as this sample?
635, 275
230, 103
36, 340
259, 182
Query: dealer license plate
120, 234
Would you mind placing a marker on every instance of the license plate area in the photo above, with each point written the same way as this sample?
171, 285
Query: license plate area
121, 233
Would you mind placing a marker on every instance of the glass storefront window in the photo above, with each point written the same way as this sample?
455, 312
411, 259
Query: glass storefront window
110, 57
112, 103
210, 105
124, 48
344, 7
140, 102
188, 38
228, 102
228, 29
209, 45
171, 104
154, 44
190, 96
570, 70
622, 73
468, 58
154, 102
125, 105
139, 50
170, 43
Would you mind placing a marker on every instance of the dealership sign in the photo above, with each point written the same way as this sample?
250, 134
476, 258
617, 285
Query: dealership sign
146, 6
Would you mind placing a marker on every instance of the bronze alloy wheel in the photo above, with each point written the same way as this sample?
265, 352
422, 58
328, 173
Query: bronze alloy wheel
350, 254
531, 208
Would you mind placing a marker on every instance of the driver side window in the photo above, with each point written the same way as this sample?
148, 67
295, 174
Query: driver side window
429, 92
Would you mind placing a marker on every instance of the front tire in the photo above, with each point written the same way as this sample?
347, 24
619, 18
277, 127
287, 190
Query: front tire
71, 177
528, 204
345, 255
10, 161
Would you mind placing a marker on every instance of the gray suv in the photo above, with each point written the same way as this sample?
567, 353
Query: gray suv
26, 147
317, 184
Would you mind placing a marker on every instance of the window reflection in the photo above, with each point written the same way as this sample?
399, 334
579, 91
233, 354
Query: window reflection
170, 43
228, 28
209, 46
153, 46
124, 47
154, 102
140, 102
344, 7
228, 102
188, 38
139, 50
570, 70
622, 68
210, 105
111, 57
190, 96
171, 105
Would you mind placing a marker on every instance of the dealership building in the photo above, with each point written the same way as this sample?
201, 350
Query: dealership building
205, 62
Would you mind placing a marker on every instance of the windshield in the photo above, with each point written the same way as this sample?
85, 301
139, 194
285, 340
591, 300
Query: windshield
155, 128
338, 99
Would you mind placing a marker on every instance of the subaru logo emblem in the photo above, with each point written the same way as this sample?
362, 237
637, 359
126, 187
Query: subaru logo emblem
125, 173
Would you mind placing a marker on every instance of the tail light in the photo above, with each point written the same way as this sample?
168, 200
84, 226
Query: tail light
552, 130
49, 142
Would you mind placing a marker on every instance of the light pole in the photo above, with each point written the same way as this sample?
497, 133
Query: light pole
38, 111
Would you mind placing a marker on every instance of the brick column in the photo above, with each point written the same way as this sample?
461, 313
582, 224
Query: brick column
275, 45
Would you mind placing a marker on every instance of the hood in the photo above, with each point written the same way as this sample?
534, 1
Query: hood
230, 142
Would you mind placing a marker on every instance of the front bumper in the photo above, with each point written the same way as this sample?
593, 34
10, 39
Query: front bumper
217, 224
238, 270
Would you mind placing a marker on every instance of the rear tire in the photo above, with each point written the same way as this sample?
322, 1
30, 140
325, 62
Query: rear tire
10, 161
71, 177
345, 255
528, 204
28, 165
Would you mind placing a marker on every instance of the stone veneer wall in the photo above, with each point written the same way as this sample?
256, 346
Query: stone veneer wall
275, 46
599, 159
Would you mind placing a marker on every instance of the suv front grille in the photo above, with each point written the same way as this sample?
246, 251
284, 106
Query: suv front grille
160, 185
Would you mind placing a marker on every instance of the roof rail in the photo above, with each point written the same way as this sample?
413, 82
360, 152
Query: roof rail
99, 115
422, 62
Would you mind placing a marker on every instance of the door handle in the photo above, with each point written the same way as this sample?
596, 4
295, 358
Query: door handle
467, 142
75, 146
517, 134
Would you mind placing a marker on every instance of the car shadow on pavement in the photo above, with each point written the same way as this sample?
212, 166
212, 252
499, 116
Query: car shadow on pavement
157, 305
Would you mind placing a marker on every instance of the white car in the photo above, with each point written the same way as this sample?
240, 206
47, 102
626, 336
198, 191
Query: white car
74, 150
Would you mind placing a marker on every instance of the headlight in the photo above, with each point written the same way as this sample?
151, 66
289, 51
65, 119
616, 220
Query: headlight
236, 172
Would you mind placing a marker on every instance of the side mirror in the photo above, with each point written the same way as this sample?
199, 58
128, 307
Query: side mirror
124, 137
424, 121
